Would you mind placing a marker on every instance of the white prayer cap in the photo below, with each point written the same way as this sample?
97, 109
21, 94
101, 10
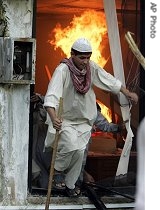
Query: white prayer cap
82, 45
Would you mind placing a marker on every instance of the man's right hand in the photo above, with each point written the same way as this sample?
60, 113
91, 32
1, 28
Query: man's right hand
57, 124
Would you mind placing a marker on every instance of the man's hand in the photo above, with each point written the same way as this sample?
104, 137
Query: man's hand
57, 123
133, 97
35, 98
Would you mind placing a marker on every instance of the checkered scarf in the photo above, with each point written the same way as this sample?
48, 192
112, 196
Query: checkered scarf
81, 78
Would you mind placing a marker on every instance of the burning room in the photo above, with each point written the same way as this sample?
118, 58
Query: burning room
58, 24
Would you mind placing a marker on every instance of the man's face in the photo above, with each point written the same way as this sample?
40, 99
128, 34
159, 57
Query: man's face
81, 61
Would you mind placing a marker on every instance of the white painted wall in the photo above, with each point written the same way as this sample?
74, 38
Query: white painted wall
20, 14
14, 142
14, 116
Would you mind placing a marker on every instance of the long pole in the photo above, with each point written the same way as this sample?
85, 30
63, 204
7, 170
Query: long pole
53, 157
116, 55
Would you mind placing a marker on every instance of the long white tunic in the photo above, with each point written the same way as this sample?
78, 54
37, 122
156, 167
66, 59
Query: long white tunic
79, 111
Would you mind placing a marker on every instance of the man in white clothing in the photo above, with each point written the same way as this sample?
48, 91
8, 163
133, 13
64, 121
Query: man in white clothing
73, 80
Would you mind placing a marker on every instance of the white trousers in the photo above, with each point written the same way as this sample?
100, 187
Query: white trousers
70, 163
70, 152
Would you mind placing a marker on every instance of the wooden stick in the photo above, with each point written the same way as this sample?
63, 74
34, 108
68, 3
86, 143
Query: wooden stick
135, 49
55, 145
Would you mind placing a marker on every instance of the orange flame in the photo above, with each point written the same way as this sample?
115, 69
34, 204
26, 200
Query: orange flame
105, 111
91, 25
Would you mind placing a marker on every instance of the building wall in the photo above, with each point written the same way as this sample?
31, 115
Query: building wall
14, 114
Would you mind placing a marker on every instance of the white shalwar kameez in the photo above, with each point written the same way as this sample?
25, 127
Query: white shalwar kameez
79, 114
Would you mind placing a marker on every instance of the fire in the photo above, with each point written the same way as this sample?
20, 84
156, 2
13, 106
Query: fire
91, 25
105, 111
